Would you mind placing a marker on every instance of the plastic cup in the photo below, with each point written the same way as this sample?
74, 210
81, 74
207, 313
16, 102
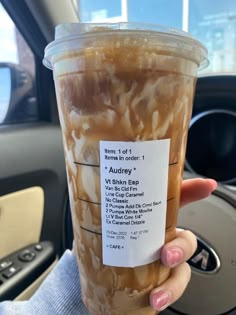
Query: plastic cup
125, 94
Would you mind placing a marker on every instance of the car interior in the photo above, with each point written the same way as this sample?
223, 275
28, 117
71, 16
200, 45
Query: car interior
35, 219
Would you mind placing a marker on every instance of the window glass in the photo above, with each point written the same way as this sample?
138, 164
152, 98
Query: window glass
214, 23
18, 101
211, 21
139, 11
98, 10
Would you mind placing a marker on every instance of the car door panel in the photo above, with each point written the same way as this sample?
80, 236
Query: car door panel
20, 270
33, 156
16, 232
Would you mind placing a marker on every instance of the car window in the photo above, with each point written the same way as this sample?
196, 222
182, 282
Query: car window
211, 21
18, 102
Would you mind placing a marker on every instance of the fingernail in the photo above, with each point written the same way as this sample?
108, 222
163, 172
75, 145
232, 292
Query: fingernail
213, 183
174, 256
160, 300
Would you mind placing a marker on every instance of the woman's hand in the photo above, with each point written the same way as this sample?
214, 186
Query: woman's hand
175, 253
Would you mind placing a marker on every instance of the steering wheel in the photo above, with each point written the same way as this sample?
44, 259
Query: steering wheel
212, 288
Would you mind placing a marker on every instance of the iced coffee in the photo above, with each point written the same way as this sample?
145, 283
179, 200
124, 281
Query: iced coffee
124, 96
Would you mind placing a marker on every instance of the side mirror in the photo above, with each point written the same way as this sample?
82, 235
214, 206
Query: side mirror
16, 91
5, 91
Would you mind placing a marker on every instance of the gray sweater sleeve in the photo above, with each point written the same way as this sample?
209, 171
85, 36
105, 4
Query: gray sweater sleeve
58, 294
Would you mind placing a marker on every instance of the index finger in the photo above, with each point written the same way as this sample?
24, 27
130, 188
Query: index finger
196, 189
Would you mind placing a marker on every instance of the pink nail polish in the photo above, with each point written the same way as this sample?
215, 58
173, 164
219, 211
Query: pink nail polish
174, 256
160, 300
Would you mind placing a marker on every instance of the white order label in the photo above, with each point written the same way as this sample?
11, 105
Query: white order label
134, 179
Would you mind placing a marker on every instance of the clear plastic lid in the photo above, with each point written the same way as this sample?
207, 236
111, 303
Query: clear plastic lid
72, 37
